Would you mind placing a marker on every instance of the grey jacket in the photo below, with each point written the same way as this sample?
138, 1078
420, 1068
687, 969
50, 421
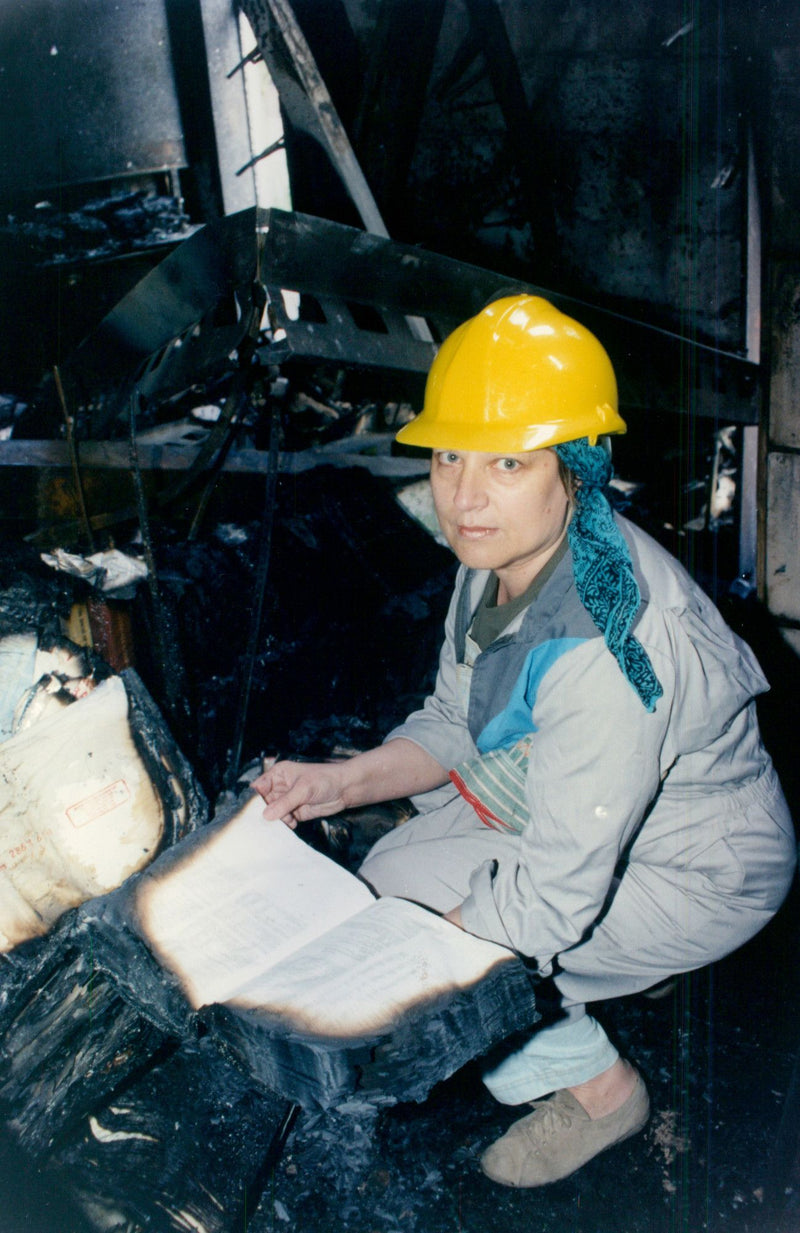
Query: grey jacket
610, 786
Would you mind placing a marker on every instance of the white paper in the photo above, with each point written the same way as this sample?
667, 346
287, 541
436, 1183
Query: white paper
249, 895
79, 812
363, 974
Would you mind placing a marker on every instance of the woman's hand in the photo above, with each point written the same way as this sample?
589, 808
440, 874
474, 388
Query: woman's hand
298, 791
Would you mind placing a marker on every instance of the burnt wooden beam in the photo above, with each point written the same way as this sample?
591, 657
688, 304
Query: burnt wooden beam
306, 98
386, 127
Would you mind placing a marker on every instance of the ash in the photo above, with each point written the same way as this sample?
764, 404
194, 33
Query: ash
102, 227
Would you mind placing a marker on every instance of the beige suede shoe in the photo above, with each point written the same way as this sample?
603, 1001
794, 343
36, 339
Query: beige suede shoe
559, 1137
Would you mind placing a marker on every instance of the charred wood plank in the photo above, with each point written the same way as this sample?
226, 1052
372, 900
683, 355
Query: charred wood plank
306, 97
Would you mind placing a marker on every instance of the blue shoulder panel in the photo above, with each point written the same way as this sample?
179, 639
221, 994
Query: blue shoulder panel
515, 720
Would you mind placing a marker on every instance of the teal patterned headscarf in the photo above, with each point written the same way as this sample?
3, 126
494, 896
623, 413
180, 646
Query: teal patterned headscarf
603, 568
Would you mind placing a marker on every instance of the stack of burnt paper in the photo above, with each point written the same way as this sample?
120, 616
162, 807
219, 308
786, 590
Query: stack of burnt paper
295, 970
167, 984
154, 1037
92, 787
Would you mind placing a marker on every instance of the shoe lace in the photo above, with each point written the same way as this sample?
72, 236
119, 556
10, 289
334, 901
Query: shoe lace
549, 1117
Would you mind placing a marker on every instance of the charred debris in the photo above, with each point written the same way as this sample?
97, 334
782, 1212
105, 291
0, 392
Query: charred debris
203, 501
230, 425
228, 428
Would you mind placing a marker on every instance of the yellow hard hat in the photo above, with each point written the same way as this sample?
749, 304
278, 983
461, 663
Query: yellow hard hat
518, 376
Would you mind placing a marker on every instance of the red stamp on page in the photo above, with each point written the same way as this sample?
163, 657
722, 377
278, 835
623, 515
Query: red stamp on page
99, 803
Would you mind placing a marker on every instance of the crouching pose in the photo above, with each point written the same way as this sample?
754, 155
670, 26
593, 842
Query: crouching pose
591, 786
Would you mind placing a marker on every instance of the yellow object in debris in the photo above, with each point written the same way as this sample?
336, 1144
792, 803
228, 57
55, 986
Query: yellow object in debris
77, 627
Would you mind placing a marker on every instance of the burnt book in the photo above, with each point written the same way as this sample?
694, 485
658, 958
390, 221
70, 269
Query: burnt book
293, 968
90, 790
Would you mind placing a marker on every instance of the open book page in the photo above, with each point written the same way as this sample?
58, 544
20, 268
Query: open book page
234, 901
361, 976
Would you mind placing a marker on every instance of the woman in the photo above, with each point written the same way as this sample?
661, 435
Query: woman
591, 786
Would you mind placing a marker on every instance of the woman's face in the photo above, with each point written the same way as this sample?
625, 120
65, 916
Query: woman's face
504, 512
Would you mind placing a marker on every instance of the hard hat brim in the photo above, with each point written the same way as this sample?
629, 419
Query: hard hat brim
498, 438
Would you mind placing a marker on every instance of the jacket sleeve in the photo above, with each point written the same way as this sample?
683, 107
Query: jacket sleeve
595, 767
440, 725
